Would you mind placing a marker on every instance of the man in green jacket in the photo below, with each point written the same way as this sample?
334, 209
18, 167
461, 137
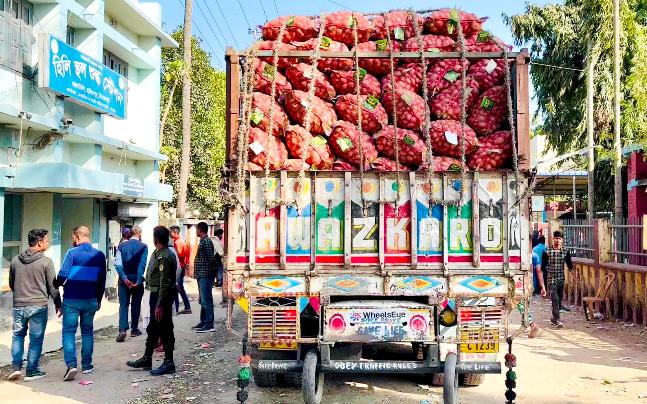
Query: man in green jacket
160, 280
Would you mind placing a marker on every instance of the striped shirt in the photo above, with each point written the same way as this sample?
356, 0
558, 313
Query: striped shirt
83, 273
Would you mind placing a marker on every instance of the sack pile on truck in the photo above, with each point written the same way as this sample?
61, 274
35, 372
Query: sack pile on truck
458, 108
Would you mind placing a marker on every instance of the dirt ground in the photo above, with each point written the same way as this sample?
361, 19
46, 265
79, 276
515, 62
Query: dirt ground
582, 363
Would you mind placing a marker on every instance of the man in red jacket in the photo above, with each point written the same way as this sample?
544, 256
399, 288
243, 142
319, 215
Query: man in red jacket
183, 254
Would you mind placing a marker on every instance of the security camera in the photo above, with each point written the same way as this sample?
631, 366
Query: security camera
67, 121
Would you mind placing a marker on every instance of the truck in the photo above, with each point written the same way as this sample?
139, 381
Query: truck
326, 263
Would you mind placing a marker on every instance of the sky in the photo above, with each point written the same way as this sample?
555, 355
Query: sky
223, 23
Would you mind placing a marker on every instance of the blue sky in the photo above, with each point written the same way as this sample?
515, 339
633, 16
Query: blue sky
218, 32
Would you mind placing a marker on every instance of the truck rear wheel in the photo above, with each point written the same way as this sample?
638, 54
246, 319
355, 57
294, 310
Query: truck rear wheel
450, 385
312, 380
471, 379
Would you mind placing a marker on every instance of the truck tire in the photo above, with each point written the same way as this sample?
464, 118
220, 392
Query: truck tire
264, 379
292, 379
471, 379
450, 379
312, 381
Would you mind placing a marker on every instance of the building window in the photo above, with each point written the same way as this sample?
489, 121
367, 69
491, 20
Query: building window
115, 63
16, 37
12, 230
69, 36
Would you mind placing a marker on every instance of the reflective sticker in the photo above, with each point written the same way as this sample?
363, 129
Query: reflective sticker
256, 116
318, 141
398, 33
451, 76
257, 148
409, 140
451, 137
371, 102
345, 144
491, 65
487, 104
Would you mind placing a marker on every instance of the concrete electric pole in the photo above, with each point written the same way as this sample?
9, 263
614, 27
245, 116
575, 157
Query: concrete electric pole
186, 112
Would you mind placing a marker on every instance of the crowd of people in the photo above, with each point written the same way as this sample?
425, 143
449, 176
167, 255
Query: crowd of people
82, 276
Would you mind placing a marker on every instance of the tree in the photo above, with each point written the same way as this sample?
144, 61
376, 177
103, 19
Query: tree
185, 164
207, 127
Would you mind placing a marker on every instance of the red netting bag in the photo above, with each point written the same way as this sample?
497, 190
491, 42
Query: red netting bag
488, 73
344, 82
262, 149
284, 62
445, 138
401, 25
300, 75
323, 114
328, 45
339, 26
445, 22
447, 104
298, 28
317, 153
344, 140
377, 67
412, 149
405, 77
495, 152
410, 108
373, 114
443, 74
264, 73
384, 164
489, 112
260, 114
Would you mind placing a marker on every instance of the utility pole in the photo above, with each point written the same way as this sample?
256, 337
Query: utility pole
186, 112
590, 88
616, 118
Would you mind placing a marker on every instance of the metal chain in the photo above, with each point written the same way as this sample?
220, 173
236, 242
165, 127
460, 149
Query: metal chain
358, 92
395, 114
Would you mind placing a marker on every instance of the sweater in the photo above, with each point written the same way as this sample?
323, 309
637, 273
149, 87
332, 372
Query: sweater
31, 279
83, 273
130, 261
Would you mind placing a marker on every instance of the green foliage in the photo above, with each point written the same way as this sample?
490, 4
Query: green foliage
559, 35
207, 127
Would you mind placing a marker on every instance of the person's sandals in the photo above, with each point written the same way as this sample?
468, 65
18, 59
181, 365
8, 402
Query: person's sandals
121, 337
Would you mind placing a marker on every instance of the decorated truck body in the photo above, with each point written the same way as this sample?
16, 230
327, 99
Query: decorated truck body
327, 258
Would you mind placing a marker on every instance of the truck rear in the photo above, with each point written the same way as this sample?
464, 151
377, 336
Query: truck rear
327, 262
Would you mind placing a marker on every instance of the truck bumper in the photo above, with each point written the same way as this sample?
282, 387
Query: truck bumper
407, 367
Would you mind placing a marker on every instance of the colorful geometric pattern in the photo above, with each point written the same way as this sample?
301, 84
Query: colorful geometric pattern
419, 283
345, 283
277, 283
480, 284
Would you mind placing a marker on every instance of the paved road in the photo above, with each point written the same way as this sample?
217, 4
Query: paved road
581, 363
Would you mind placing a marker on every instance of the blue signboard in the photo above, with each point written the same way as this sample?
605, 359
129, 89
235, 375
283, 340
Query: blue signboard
84, 80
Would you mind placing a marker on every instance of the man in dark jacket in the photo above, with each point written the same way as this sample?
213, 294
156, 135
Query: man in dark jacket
160, 279
31, 279
130, 263
204, 270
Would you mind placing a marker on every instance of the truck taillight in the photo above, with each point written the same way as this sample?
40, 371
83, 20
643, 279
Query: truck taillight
291, 315
466, 315
337, 323
418, 323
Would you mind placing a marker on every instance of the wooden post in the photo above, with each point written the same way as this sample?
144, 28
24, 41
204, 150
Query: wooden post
231, 128
590, 136
644, 291
618, 185
523, 109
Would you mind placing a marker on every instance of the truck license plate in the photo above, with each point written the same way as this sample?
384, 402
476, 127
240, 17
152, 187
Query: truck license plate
481, 347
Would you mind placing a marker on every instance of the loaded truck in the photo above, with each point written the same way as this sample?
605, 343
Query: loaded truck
358, 215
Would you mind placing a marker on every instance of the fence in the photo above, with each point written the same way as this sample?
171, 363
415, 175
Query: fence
626, 241
578, 237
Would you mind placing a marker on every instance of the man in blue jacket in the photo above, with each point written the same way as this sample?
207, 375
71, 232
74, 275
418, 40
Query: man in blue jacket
83, 277
130, 263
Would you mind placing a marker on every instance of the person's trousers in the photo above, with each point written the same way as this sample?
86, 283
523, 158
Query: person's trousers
34, 320
205, 286
219, 275
78, 312
129, 297
556, 293
162, 329
182, 293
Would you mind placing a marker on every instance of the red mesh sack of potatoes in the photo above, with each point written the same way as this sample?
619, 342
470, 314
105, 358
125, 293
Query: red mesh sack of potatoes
410, 108
260, 114
401, 25
345, 82
484, 42
494, 152
300, 75
445, 22
445, 138
373, 114
405, 77
322, 116
385, 164
341, 165
297, 28
489, 112
284, 63
431, 43
340, 26
295, 165
263, 150
314, 149
265, 73
447, 104
443, 74
345, 142
377, 67
328, 45
412, 149
488, 73
442, 163
253, 167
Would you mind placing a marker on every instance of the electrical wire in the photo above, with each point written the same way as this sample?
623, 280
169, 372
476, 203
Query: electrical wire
214, 21
227, 23
553, 66
204, 37
264, 12
340, 5
249, 26
277, 9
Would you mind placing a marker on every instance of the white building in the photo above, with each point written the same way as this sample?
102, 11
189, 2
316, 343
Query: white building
79, 121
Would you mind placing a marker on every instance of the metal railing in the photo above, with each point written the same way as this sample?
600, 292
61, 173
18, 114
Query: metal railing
578, 237
626, 241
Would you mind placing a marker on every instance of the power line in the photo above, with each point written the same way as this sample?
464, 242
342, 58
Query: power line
340, 5
227, 23
553, 66
277, 9
214, 21
264, 12
204, 37
249, 26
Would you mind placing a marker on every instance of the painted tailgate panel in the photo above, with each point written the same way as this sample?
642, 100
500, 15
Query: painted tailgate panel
397, 221
365, 213
329, 217
299, 215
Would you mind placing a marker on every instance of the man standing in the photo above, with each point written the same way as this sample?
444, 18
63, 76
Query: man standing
552, 262
205, 273
160, 279
219, 252
539, 251
183, 255
83, 277
130, 263
31, 279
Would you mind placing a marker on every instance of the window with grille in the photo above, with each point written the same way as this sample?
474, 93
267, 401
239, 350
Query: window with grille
69, 36
115, 63
16, 36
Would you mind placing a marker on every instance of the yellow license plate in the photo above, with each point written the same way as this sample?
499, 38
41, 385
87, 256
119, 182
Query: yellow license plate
480, 347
